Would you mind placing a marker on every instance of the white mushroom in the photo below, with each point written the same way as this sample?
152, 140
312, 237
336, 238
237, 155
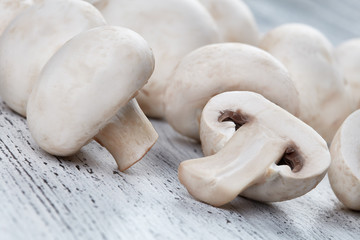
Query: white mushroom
344, 171
173, 28
217, 68
81, 90
234, 20
273, 156
9, 9
309, 57
348, 56
32, 38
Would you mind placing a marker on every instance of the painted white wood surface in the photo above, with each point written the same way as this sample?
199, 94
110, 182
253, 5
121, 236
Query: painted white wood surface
85, 197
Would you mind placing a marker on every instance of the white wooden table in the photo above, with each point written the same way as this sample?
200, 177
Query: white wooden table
85, 197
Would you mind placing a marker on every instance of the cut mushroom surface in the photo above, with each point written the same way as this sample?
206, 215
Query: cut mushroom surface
348, 56
173, 28
32, 38
312, 65
128, 136
217, 68
272, 156
234, 20
344, 172
83, 91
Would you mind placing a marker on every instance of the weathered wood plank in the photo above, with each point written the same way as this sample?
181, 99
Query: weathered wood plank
85, 197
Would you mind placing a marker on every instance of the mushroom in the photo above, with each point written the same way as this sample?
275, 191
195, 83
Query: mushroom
272, 156
32, 38
234, 20
310, 59
84, 91
344, 171
9, 9
348, 56
217, 68
173, 28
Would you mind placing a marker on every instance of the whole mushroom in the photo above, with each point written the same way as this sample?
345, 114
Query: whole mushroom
217, 68
312, 65
272, 156
348, 56
234, 20
32, 38
173, 28
85, 92
344, 171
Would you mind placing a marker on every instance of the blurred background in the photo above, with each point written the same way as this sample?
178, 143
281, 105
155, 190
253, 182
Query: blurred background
332, 17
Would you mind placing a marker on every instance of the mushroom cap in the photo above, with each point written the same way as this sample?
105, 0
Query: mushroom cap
234, 20
309, 57
281, 180
344, 171
173, 28
9, 9
32, 38
348, 56
84, 85
217, 68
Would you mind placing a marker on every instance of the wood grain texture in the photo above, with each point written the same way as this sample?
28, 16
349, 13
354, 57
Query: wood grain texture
86, 197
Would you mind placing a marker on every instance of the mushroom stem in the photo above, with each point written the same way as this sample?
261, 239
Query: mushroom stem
128, 136
243, 161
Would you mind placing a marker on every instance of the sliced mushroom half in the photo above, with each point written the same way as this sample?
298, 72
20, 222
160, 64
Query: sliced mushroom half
84, 93
269, 155
344, 172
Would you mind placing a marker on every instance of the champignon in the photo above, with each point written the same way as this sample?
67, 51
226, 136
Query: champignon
344, 171
273, 156
348, 56
32, 38
9, 9
173, 28
217, 68
234, 20
82, 94
309, 57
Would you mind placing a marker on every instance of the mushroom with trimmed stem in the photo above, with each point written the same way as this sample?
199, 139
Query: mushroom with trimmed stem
84, 92
312, 65
273, 156
344, 171
234, 20
348, 56
32, 38
173, 28
222, 67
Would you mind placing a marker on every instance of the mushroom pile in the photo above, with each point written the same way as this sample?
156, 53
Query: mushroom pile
312, 65
183, 27
304, 75
264, 109
75, 79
